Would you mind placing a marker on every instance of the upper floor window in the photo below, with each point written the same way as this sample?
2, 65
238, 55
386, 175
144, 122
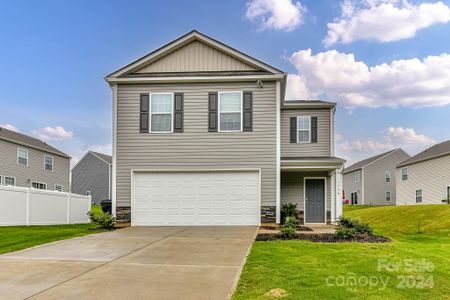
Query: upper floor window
404, 173
387, 176
161, 112
58, 187
1, 181
304, 129
9, 181
88, 193
39, 185
230, 111
357, 176
48, 163
22, 156
419, 196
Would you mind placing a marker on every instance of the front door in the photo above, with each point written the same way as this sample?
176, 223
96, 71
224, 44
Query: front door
314, 200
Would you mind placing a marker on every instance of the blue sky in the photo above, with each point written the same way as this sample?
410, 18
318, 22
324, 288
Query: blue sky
54, 56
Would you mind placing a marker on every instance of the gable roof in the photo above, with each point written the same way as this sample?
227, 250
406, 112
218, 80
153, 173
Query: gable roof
367, 161
28, 141
104, 157
435, 151
295, 104
184, 40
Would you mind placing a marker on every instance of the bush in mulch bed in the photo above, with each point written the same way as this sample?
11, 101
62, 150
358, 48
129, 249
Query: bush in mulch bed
348, 230
325, 238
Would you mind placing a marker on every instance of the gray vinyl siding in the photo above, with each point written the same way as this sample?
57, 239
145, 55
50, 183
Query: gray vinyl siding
431, 176
196, 148
195, 57
323, 145
375, 185
35, 170
350, 186
292, 188
91, 174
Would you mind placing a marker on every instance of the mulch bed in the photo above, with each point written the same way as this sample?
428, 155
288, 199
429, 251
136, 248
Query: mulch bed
325, 238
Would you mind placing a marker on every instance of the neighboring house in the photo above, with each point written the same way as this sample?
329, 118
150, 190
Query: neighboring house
425, 177
29, 162
92, 176
202, 136
372, 180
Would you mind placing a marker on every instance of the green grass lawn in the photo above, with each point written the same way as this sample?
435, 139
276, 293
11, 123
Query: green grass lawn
14, 238
303, 269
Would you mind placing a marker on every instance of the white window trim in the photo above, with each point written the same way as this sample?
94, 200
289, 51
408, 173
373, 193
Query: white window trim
219, 112
57, 184
386, 196
386, 175
359, 176
53, 163
309, 130
421, 195
4, 180
150, 113
45, 184
26, 165
401, 173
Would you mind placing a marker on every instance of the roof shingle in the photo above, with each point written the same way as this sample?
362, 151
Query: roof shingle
435, 151
28, 141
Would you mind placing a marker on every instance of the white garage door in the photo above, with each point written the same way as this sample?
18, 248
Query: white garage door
196, 198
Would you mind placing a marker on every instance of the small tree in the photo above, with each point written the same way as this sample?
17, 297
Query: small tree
104, 221
288, 210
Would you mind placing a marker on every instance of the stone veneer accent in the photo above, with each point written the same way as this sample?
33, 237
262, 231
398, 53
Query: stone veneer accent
268, 214
123, 214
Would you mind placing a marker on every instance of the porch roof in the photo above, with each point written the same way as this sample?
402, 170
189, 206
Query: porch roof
326, 163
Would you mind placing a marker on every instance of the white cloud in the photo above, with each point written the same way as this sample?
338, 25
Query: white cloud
406, 136
276, 14
48, 133
383, 20
391, 138
408, 82
10, 127
296, 88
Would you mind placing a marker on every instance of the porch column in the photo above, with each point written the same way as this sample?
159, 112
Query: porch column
333, 196
338, 192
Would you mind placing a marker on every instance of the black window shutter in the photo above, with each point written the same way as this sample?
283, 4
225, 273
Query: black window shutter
293, 129
143, 117
178, 112
313, 129
248, 111
212, 112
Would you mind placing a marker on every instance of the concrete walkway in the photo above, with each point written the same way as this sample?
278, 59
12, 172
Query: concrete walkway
131, 263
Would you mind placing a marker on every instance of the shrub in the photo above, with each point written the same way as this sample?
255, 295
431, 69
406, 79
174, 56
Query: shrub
104, 221
288, 210
287, 232
291, 221
348, 228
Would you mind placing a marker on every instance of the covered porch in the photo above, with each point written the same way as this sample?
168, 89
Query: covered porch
315, 185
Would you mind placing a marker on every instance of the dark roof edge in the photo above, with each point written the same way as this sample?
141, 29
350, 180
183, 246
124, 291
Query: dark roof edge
402, 164
62, 154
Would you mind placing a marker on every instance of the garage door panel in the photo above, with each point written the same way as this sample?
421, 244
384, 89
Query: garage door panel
196, 198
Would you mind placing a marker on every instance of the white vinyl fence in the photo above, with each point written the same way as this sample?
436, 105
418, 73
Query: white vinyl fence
27, 206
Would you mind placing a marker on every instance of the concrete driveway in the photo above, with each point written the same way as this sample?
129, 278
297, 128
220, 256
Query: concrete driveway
131, 263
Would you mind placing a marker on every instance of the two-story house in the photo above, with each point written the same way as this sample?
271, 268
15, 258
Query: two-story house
92, 176
425, 177
202, 135
29, 162
372, 181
